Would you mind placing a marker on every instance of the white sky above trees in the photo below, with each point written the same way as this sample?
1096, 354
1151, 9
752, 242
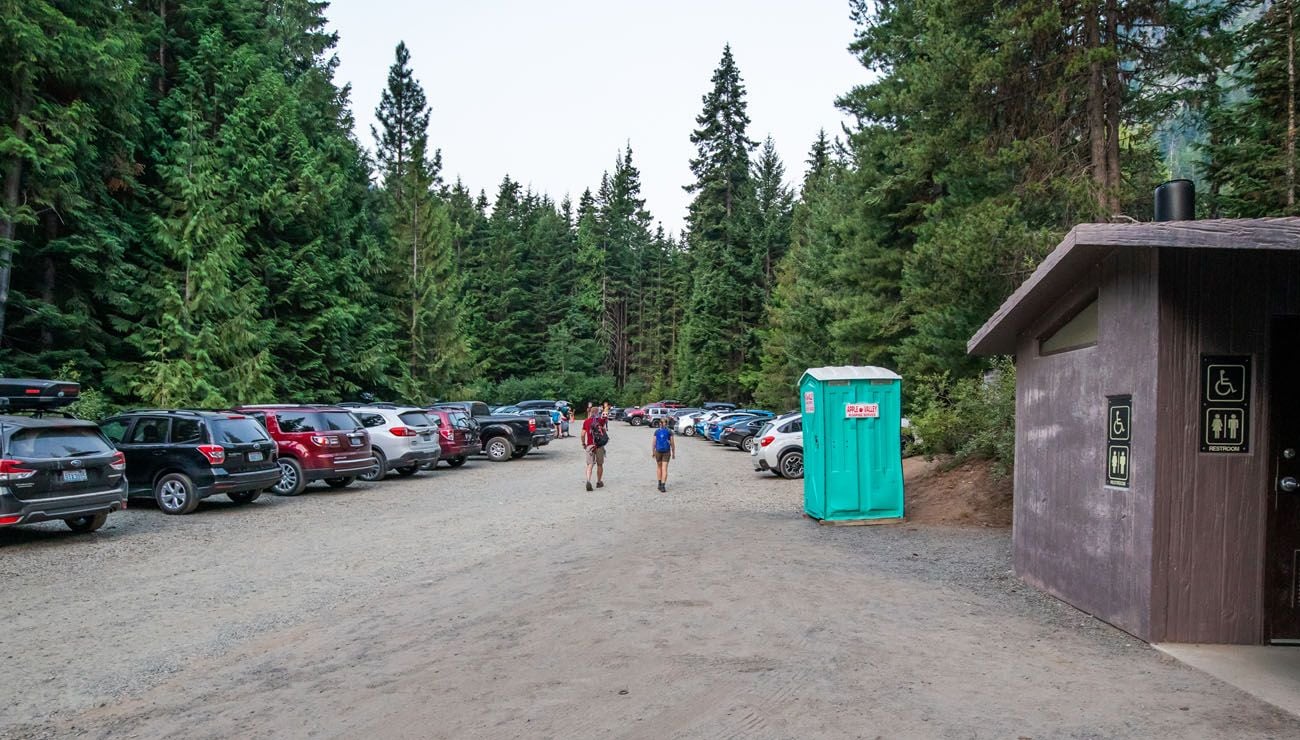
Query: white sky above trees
549, 92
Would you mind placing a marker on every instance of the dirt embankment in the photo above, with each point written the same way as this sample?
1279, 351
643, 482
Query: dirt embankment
967, 493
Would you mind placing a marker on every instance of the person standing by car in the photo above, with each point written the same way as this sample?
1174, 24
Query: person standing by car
663, 448
594, 438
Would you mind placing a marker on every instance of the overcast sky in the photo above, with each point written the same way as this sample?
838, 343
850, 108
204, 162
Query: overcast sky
549, 92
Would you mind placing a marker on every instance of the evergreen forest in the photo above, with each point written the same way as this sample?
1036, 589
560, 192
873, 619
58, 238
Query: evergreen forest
188, 215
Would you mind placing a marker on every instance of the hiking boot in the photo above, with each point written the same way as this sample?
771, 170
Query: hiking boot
588, 485
600, 484
663, 487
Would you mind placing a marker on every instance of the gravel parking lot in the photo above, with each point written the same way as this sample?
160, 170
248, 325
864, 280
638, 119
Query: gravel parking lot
502, 600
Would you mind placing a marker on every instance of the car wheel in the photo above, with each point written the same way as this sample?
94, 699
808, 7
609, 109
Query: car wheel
791, 464
291, 479
88, 523
244, 497
688, 432
747, 444
636, 421
499, 449
174, 493
456, 462
408, 471
520, 452
339, 482
380, 469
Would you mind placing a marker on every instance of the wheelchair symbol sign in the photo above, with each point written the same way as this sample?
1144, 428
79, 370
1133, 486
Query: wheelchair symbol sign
1120, 416
1225, 383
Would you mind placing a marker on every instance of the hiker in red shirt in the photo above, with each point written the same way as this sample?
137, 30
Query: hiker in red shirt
595, 434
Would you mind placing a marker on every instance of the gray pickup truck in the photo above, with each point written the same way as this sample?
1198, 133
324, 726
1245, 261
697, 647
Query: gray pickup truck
503, 436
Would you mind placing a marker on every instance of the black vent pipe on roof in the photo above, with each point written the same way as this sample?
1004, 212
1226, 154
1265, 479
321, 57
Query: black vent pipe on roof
1176, 201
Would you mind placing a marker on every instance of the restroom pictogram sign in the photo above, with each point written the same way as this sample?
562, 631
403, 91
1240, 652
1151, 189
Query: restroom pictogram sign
1119, 440
1225, 403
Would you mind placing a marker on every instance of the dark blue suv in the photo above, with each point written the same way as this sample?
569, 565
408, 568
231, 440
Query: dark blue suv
179, 457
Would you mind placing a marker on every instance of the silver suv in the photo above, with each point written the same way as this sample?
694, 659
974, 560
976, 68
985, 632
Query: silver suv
403, 439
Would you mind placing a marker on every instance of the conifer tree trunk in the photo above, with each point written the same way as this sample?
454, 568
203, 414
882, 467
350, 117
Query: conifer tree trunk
12, 189
1096, 107
1114, 99
1290, 105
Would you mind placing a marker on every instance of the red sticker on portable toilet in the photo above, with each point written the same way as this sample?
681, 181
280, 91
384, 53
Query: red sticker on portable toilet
808, 405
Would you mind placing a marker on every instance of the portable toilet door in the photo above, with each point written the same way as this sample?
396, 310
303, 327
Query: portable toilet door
814, 475
853, 468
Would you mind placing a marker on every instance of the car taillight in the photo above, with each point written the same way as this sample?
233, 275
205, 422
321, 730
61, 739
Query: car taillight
446, 433
11, 470
728, 430
216, 454
321, 440
532, 425
119, 461
9, 519
769, 439
402, 431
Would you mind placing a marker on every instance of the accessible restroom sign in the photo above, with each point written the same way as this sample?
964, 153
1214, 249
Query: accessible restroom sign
1119, 440
1225, 403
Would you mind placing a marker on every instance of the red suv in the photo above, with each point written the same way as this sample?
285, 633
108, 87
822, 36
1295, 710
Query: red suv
456, 434
314, 443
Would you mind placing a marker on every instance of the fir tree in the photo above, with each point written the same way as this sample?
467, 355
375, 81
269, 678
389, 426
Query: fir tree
423, 235
716, 342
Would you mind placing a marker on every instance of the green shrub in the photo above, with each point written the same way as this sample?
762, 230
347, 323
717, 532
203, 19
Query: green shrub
92, 403
967, 417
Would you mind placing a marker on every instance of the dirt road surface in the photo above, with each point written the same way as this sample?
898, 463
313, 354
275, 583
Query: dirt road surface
504, 601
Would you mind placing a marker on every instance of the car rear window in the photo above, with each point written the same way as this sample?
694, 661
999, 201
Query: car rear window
237, 431
416, 419
458, 419
316, 421
46, 443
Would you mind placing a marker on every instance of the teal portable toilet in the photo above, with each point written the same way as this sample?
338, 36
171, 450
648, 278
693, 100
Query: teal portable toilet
852, 438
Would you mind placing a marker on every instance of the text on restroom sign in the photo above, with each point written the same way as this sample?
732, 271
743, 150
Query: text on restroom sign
1225, 403
861, 411
809, 405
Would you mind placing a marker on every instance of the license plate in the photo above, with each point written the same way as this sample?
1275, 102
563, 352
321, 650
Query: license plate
74, 476
255, 456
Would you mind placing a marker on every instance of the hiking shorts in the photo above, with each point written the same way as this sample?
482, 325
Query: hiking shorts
663, 457
595, 455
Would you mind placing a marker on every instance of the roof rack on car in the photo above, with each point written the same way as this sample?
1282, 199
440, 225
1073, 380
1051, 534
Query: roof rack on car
39, 413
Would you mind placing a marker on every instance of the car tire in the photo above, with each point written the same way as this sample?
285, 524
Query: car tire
378, 472
88, 523
408, 471
790, 464
456, 462
244, 497
175, 494
519, 452
339, 482
291, 479
747, 444
636, 421
499, 449
688, 432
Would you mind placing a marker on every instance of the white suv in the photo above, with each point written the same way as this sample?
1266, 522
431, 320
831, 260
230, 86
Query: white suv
403, 438
778, 446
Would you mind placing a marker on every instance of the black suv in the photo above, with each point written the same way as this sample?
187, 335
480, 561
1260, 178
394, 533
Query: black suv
181, 457
53, 466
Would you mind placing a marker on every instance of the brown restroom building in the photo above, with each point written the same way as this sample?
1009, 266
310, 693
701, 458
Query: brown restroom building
1158, 427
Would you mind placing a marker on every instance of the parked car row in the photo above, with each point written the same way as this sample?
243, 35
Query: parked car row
54, 466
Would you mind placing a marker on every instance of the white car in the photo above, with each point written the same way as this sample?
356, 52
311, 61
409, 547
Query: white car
778, 446
403, 439
686, 423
